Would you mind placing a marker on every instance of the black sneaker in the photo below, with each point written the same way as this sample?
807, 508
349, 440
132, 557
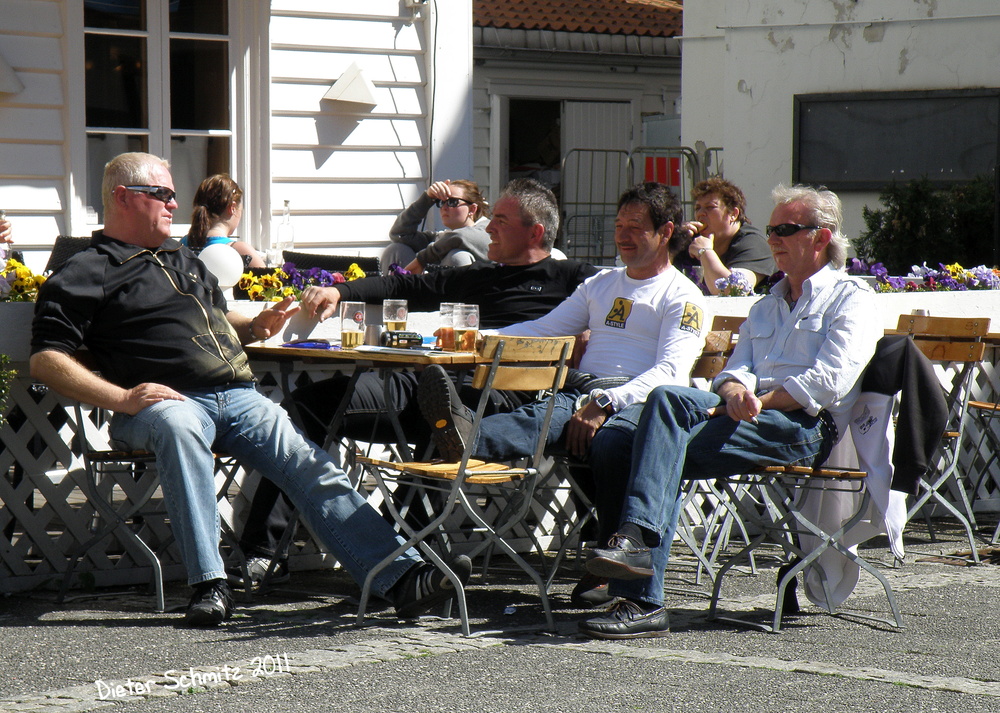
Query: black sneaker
424, 586
450, 420
211, 604
257, 568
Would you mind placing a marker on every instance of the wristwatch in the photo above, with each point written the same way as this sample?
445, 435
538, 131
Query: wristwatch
602, 398
702, 251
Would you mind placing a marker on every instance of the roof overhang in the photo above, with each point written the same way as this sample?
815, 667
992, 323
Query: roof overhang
492, 43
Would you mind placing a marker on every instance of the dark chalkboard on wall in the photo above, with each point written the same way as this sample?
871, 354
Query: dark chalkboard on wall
866, 140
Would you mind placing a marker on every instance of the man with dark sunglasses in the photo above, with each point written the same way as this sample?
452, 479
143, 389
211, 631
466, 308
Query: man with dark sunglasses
173, 370
785, 397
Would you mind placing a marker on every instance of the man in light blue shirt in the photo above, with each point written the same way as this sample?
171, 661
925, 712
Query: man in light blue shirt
784, 398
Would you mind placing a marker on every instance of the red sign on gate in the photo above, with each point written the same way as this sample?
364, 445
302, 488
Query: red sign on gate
664, 169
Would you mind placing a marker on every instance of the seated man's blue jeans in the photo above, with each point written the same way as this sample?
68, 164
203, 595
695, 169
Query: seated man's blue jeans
504, 436
237, 420
640, 457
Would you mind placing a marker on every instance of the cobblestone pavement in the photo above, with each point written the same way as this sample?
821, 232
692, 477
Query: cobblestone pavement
299, 649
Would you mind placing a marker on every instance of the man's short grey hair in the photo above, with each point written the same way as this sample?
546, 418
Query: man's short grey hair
824, 210
538, 205
128, 169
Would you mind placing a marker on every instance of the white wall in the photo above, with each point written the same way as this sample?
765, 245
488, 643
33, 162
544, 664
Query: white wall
33, 160
744, 61
349, 170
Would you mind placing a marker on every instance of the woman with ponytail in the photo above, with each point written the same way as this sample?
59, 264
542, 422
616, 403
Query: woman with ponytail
218, 207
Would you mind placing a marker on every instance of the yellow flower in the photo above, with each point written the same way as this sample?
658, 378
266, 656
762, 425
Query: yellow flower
18, 283
958, 272
354, 272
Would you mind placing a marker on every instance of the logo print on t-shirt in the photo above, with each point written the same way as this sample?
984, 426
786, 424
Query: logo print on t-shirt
619, 313
693, 318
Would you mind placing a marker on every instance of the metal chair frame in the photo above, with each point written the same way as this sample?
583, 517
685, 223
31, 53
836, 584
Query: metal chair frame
458, 484
134, 472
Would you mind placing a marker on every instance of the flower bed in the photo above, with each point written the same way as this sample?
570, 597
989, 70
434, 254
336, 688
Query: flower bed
921, 278
288, 281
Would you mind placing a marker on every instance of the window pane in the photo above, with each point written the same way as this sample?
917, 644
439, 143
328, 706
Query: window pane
192, 160
206, 17
117, 14
199, 84
101, 148
116, 81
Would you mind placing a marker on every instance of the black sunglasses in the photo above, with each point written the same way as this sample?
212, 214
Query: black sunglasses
452, 202
160, 193
786, 229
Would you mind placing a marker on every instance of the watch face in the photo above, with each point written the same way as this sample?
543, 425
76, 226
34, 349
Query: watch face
602, 399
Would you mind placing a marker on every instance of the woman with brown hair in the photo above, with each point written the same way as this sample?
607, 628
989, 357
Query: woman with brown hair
464, 213
724, 241
218, 207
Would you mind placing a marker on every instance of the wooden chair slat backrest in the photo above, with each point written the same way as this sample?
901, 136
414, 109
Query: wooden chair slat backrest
536, 362
718, 346
731, 323
525, 349
519, 378
923, 325
947, 339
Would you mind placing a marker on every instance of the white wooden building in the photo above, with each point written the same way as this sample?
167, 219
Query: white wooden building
237, 86
565, 92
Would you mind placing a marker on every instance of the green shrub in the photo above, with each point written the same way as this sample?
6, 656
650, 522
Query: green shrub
921, 224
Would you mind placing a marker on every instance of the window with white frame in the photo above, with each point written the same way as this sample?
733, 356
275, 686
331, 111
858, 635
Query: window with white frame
158, 80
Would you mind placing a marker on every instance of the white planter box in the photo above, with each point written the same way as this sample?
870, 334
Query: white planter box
15, 330
974, 303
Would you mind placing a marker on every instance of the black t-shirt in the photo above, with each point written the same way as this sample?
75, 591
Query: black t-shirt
506, 294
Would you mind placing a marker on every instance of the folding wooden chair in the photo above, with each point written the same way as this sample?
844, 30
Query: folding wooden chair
956, 344
784, 491
132, 473
707, 515
775, 502
515, 363
987, 449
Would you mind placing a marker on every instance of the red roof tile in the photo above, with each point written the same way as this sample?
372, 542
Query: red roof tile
654, 18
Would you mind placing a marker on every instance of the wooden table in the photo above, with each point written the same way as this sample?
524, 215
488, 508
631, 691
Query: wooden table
381, 359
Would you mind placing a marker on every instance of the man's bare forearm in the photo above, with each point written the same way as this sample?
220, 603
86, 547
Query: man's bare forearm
70, 378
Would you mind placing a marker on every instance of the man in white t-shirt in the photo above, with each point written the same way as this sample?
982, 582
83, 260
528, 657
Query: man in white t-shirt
646, 323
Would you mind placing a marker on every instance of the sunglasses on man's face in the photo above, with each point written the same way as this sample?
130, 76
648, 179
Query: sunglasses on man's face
786, 229
160, 193
452, 202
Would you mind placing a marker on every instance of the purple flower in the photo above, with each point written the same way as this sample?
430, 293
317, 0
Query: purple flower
857, 267
735, 285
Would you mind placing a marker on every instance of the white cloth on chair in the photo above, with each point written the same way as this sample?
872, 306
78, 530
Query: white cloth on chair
867, 447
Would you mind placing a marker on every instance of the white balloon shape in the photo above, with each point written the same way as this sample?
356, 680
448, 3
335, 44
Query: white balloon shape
223, 262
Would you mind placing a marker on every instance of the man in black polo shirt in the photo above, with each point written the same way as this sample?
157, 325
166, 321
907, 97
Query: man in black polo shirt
524, 282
